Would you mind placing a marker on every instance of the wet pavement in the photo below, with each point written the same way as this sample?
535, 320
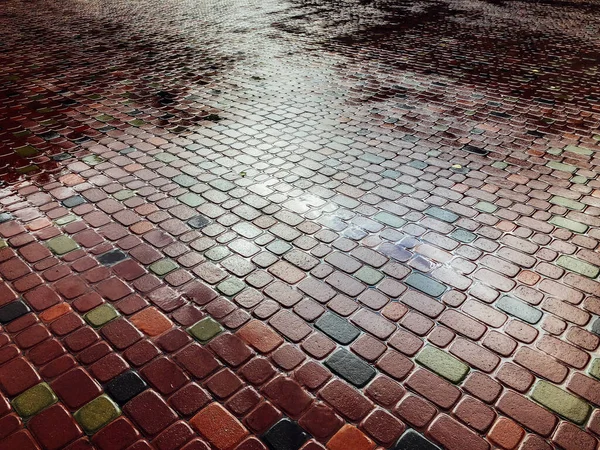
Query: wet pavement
299, 224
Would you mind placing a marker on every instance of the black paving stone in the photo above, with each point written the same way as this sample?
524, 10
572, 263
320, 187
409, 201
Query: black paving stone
350, 367
112, 257
125, 387
285, 435
13, 311
337, 328
411, 440
475, 150
198, 222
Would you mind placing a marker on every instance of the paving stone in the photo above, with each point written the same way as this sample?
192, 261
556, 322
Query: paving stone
112, 257
411, 440
33, 400
198, 222
443, 364
349, 367
561, 402
285, 435
13, 311
126, 386
61, 245
368, 275
441, 214
97, 414
205, 330
577, 265
425, 284
571, 225
517, 308
101, 315
163, 266
337, 328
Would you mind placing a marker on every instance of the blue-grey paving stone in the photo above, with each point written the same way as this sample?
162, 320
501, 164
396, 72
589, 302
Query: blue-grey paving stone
411, 440
71, 202
463, 235
350, 367
278, 247
425, 284
126, 386
12, 311
389, 173
442, 214
418, 164
394, 251
5, 217
517, 308
337, 328
198, 221
285, 435
127, 150
596, 327
112, 257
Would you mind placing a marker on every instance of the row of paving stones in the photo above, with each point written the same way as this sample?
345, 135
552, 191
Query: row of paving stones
423, 356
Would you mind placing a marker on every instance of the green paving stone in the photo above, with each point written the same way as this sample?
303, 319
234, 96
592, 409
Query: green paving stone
441, 214
92, 160
561, 402
190, 199
519, 309
433, 153
567, 203
65, 220
555, 151
136, 122
578, 179
486, 207
205, 330
97, 414
26, 151
560, 166
389, 219
425, 284
185, 180
231, 286
166, 157
33, 400
163, 267
27, 169
104, 118
463, 235
337, 328
62, 244
576, 265
124, 194
3, 243
350, 367
442, 363
368, 275
404, 189
569, 224
500, 165
595, 368
217, 253
579, 150
101, 315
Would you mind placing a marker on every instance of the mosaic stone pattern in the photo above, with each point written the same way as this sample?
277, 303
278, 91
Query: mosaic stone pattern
285, 225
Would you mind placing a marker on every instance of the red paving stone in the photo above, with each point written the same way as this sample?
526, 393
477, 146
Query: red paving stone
200, 203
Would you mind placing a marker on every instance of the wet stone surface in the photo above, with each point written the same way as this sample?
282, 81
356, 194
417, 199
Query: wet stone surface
299, 225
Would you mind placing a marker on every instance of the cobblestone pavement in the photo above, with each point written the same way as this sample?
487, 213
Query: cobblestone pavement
299, 224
